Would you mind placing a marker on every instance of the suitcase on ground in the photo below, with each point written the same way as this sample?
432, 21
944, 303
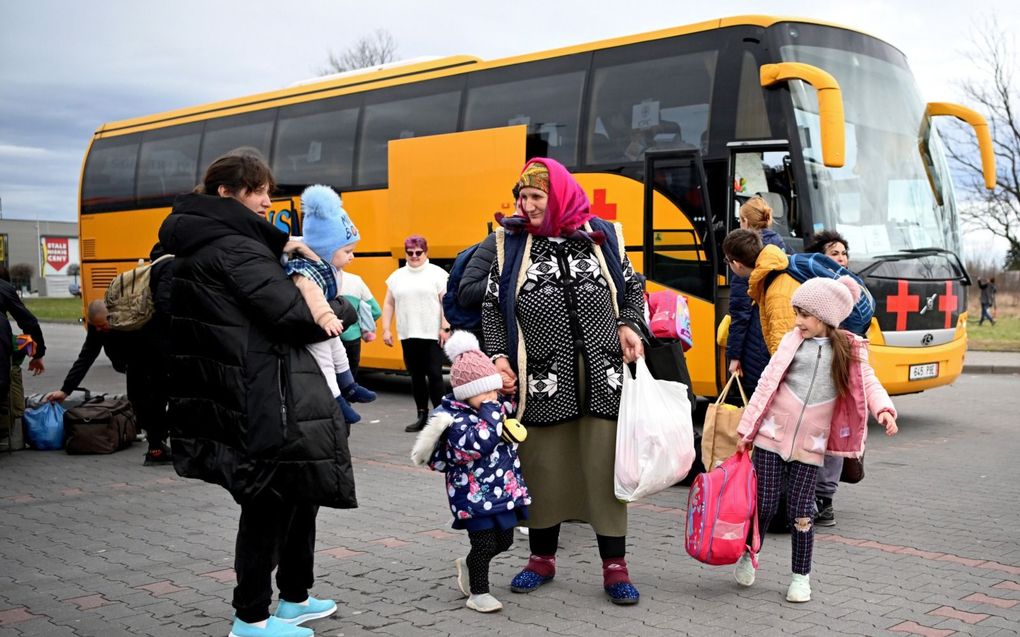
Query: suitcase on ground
101, 424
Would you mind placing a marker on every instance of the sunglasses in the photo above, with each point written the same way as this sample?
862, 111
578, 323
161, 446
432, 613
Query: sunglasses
414, 253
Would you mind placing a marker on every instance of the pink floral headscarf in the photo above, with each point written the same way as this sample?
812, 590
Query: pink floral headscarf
566, 212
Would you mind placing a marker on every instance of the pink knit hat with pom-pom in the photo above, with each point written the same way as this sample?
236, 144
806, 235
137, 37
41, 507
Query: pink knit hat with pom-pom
830, 300
472, 372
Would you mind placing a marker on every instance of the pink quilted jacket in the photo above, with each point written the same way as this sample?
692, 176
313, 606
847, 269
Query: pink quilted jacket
837, 429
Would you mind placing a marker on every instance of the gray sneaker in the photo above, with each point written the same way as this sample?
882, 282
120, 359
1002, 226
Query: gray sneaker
825, 516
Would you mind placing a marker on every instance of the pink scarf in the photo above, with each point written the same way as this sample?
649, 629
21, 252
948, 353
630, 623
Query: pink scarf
566, 212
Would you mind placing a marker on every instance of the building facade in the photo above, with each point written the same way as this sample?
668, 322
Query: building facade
49, 248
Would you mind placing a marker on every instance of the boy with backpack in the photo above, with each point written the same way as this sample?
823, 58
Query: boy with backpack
769, 284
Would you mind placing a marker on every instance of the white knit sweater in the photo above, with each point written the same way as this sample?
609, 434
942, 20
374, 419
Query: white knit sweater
416, 298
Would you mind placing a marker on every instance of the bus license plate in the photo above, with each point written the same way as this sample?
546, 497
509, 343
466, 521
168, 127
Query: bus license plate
925, 370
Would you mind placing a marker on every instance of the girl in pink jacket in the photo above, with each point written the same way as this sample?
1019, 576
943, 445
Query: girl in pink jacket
812, 399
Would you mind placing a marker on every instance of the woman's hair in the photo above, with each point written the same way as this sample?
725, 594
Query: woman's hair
821, 240
757, 213
842, 357
416, 241
241, 170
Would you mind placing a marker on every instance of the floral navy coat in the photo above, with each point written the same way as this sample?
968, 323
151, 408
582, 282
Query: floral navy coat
483, 476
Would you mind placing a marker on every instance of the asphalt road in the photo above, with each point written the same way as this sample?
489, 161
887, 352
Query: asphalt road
928, 543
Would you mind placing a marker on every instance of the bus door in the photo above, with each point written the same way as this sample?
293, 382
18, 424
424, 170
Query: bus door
765, 168
679, 249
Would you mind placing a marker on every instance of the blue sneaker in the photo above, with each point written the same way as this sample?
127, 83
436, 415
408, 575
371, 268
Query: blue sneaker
274, 628
300, 613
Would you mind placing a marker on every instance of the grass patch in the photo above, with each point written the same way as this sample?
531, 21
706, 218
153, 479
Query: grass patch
51, 309
1003, 337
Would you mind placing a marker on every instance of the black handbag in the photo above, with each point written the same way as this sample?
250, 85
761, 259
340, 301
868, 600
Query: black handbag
853, 470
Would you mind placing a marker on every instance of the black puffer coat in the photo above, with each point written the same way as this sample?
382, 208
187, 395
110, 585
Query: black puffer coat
249, 408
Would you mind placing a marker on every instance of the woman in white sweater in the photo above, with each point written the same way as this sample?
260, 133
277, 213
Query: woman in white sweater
414, 293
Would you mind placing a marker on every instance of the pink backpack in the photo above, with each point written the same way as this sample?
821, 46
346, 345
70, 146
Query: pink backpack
669, 317
721, 508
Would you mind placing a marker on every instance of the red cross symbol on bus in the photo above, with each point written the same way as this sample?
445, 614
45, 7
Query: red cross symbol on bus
948, 303
902, 303
599, 206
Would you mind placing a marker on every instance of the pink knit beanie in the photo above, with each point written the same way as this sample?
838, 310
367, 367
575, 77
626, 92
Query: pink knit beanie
472, 372
830, 300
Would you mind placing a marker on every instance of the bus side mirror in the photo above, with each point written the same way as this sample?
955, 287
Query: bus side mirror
830, 104
980, 126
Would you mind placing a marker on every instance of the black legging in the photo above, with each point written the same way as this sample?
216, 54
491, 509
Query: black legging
545, 541
424, 361
485, 545
353, 349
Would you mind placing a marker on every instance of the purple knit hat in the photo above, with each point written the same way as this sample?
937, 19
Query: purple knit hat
830, 300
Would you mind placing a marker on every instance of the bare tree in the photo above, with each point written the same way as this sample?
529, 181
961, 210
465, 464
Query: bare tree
994, 93
369, 50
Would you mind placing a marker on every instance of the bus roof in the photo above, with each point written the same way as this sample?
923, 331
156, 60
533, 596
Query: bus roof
395, 73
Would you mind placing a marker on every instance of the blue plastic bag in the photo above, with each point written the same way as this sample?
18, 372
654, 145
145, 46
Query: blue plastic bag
45, 426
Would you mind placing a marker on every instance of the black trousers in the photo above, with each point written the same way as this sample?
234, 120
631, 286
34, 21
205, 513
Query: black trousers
353, 354
273, 534
424, 361
148, 390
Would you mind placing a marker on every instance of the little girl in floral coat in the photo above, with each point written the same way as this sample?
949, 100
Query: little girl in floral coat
464, 439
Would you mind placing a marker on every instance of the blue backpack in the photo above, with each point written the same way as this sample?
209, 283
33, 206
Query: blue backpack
813, 264
460, 317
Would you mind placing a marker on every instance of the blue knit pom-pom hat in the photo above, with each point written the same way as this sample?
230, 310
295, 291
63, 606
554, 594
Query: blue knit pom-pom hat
327, 226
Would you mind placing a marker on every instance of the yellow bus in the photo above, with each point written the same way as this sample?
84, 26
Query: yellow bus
668, 132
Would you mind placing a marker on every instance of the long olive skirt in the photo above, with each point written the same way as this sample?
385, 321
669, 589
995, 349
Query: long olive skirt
569, 472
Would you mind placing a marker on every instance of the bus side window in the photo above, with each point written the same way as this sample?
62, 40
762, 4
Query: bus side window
315, 143
415, 110
648, 97
252, 130
544, 96
110, 173
168, 162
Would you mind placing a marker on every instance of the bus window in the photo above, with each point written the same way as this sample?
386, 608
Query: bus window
254, 130
110, 173
388, 118
752, 119
545, 97
315, 143
168, 162
648, 100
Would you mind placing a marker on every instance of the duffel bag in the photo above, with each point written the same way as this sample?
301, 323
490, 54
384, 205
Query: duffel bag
99, 425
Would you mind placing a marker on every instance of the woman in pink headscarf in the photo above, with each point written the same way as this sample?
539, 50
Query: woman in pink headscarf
561, 295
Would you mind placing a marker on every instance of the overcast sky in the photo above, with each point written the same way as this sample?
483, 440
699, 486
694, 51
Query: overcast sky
67, 67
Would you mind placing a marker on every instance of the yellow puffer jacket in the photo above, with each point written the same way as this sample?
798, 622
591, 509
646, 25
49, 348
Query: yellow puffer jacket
776, 307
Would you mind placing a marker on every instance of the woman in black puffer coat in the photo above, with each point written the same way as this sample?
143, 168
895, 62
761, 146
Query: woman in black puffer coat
249, 408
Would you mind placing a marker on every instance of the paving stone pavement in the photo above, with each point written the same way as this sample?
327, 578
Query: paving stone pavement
927, 544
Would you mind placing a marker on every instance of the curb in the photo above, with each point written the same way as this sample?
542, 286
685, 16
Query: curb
991, 369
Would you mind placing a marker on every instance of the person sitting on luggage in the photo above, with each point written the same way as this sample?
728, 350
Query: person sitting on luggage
130, 354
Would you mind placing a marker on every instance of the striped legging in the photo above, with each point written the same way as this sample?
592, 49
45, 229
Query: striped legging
799, 479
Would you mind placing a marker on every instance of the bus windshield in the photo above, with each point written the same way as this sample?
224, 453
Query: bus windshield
894, 191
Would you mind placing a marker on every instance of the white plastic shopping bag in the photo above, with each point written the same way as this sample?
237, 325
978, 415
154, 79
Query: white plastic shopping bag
654, 435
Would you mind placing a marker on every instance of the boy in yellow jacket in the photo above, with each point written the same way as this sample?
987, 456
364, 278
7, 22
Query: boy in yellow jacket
769, 285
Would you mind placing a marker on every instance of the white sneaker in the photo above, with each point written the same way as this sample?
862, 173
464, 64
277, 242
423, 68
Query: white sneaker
484, 603
800, 589
744, 572
523, 530
462, 576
